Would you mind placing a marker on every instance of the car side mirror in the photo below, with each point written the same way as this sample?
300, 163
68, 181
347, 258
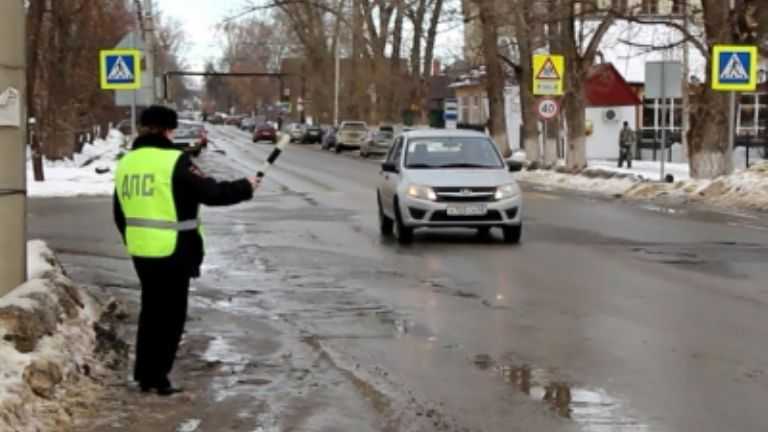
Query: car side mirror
389, 167
514, 166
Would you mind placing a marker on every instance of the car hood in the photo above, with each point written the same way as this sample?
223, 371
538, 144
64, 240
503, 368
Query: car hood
459, 177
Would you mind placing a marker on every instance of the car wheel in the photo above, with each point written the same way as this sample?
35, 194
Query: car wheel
338, 148
403, 234
512, 234
386, 224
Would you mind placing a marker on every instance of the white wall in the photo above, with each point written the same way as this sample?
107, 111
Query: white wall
604, 141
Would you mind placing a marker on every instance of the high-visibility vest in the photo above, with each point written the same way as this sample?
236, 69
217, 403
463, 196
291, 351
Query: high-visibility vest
144, 187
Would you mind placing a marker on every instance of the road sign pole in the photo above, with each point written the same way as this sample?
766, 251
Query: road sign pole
731, 126
663, 116
133, 99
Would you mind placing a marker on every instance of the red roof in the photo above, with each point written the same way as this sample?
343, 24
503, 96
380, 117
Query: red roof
605, 87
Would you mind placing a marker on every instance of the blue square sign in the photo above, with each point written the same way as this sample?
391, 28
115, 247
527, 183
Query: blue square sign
734, 68
120, 70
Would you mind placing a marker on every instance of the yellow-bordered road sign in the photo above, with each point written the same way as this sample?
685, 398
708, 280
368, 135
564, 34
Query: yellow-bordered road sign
734, 68
120, 69
548, 74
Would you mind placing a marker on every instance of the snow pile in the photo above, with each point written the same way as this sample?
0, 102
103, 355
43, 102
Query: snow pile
745, 189
90, 172
47, 338
608, 184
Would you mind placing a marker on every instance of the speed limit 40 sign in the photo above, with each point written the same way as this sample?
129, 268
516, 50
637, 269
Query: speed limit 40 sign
547, 108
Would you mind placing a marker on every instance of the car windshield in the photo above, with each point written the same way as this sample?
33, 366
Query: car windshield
454, 152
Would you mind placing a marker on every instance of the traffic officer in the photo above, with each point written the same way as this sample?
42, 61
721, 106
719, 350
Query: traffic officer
158, 191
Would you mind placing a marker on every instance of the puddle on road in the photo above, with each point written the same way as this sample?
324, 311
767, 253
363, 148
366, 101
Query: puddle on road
668, 256
593, 410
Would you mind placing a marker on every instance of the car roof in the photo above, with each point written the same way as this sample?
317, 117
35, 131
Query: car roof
444, 133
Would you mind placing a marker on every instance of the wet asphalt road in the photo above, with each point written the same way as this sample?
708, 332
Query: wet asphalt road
609, 317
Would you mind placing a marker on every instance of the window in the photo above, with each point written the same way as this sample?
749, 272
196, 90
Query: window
619, 5
658, 115
752, 116
679, 6
395, 151
444, 152
650, 7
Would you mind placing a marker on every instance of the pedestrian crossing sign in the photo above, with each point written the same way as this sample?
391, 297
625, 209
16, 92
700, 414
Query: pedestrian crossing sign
548, 72
734, 68
120, 69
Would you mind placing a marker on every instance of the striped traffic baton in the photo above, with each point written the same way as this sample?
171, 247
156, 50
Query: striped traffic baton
285, 139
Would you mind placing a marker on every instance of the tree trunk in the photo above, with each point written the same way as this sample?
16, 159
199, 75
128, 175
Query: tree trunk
526, 30
708, 136
708, 152
495, 80
575, 114
394, 91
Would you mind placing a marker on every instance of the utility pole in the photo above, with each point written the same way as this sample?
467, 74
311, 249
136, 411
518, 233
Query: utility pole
337, 80
686, 96
13, 235
149, 42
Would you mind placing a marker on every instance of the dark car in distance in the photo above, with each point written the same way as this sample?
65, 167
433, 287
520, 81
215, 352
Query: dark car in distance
313, 135
265, 132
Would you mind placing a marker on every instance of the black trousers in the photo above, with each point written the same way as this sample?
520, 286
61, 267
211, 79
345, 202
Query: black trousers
625, 155
164, 293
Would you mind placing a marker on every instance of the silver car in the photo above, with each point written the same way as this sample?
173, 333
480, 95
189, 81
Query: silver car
379, 142
351, 135
439, 178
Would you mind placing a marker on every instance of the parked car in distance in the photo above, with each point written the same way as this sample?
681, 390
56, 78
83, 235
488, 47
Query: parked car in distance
248, 124
439, 178
313, 135
124, 126
216, 119
378, 142
265, 132
234, 120
296, 131
351, 135
190, 137
329, 139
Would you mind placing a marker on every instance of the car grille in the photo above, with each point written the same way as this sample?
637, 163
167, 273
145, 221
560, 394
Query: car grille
465, 194
442, 216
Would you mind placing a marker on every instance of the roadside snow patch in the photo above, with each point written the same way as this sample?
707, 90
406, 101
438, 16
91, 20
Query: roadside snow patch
47, 369
189, 426
90, 172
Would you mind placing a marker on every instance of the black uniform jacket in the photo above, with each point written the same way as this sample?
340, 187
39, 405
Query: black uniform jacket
191, 187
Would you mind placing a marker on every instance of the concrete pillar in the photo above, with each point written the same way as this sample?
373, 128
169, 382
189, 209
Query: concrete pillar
12, 158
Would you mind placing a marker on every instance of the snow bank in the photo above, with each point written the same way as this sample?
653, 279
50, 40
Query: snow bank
744, 189
47, 340
90, 172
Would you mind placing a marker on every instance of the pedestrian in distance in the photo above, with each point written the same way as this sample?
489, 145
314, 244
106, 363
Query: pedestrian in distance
626, 139
158, 193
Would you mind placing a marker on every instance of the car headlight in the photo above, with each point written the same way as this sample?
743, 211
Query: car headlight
507, 191
422, 192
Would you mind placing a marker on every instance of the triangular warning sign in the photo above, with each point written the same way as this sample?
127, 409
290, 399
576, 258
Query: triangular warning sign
548, 71
734, 70
120, 71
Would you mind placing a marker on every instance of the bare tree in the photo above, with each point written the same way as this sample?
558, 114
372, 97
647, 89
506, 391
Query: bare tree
495, 80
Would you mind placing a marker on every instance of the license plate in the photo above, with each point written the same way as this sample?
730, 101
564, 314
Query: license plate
467, 211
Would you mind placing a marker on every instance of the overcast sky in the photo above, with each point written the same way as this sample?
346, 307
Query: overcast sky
200, 17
